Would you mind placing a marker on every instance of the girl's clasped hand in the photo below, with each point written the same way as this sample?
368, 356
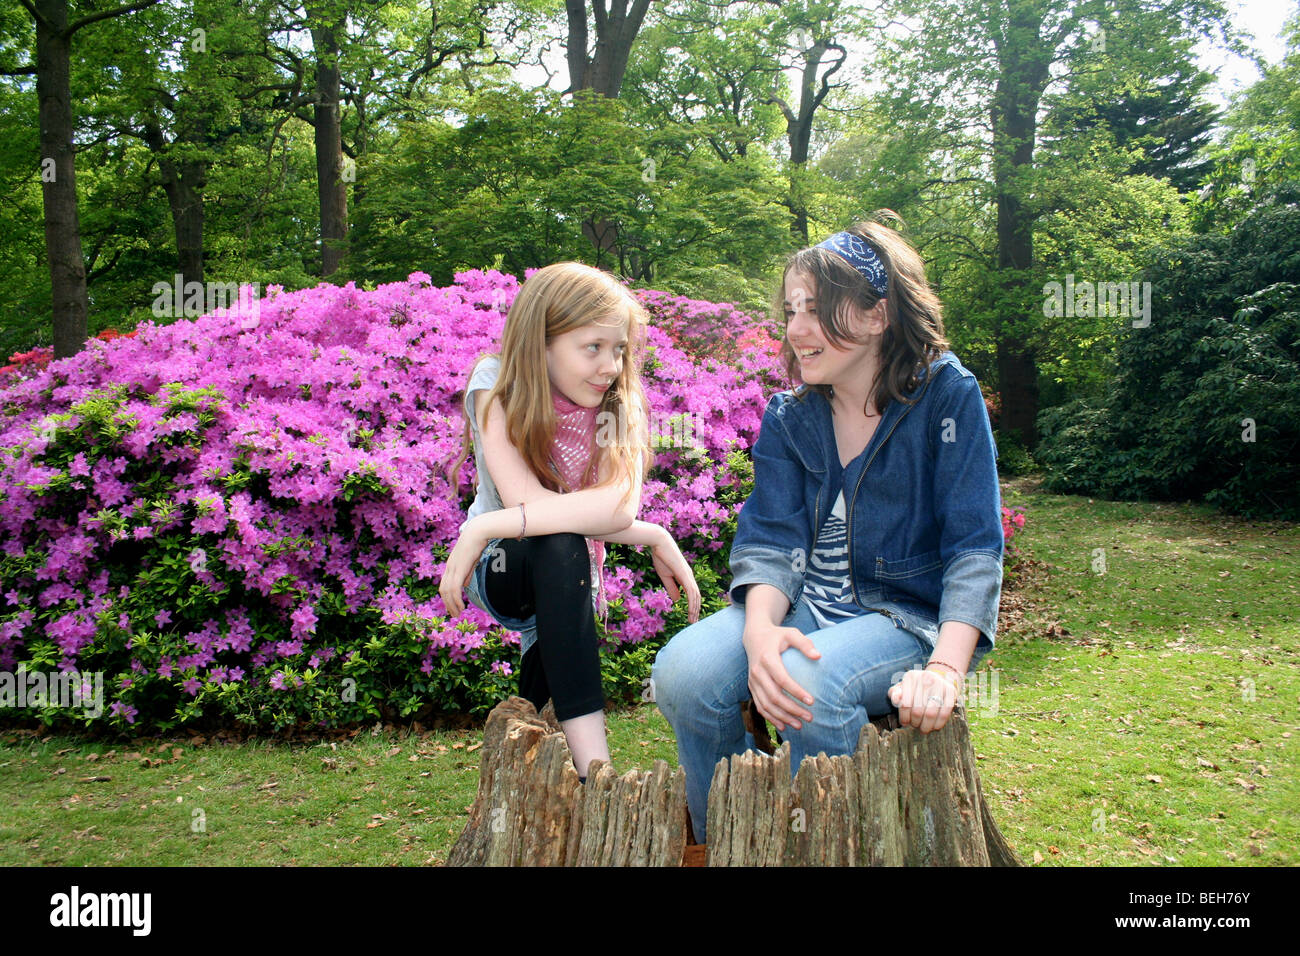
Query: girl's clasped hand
925, 700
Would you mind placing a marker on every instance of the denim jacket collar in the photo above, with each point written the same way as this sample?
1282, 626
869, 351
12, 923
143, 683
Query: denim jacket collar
807, 418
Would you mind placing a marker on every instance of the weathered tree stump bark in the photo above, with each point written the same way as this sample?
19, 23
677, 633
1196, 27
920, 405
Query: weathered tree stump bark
902, 798
532, 811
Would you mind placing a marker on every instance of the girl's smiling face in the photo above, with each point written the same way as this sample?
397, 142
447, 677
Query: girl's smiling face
584, 363
822, 362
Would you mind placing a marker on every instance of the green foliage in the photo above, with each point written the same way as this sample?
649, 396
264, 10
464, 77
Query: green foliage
1013, 457
1261, 146
530, 178
1205, 402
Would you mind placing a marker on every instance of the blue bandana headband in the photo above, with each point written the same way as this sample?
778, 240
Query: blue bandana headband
861, 256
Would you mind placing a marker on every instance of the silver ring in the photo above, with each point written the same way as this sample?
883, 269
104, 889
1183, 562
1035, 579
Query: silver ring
934, 699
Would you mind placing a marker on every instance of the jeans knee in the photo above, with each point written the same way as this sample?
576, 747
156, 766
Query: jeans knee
665, 678
807, 673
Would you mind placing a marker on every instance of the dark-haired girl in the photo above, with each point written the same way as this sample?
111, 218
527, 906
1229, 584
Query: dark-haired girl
867, 562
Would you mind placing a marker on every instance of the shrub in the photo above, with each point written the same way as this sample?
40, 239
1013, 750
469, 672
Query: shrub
1205, 403
1013, 457
245, 516
1013, 520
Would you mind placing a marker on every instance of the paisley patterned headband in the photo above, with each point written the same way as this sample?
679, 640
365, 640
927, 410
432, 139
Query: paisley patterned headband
861, 256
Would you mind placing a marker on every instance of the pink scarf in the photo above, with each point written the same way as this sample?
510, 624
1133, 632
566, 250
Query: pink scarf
571, 449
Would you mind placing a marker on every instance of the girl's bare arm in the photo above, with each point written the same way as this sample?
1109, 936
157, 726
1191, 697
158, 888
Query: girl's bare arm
595, 511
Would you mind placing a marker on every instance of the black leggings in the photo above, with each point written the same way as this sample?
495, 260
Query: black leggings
550, 576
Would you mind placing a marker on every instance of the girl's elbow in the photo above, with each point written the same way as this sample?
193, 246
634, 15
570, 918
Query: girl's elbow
624, 515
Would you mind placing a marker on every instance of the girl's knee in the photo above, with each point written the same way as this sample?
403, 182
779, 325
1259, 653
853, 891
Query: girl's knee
695, 664
562, 547
807, 673
669, 679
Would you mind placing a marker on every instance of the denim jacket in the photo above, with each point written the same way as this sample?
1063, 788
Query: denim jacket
922, 505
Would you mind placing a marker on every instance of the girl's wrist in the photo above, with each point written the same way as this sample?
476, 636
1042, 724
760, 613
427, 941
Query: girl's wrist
947, 672
495, 524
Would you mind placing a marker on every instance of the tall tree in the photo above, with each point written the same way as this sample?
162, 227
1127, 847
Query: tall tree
1164, 119
54, 34
992, 62
184, 81
328, 22
1261, 142
616, 23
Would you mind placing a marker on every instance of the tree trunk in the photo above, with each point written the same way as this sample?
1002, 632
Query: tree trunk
183, 183
617, 27
59, 186
1023, 73
1018, 375
903, 798
331, 188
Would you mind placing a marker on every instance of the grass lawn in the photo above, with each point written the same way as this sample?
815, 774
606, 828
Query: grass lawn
1139, 709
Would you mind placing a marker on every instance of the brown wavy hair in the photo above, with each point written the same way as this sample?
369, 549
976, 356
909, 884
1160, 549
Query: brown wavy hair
557, 299
913, 336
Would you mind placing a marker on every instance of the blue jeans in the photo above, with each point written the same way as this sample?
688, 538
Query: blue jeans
701, 677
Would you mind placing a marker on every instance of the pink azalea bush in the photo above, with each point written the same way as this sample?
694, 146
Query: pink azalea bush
1013, 519
246, 515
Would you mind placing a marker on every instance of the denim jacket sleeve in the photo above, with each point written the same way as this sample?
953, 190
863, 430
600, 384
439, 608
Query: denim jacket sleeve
774, 523
966, 506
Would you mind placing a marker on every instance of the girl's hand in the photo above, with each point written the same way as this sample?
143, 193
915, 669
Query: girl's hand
768, 678
460, 565
914, 696
673, 570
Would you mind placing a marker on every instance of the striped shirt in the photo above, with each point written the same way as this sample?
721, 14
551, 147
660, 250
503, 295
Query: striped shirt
827, 589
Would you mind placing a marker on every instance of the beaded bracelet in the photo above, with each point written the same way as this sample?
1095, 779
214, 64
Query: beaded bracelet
950, 680
944, 664
960, 678
523, 518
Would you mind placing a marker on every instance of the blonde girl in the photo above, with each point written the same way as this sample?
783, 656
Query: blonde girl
558, 425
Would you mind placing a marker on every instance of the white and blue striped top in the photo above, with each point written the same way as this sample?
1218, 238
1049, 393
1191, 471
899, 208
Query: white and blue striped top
826, 581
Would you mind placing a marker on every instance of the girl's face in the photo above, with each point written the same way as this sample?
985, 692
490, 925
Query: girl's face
583, 363
821, 362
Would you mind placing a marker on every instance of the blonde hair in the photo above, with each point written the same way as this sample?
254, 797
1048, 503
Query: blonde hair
555, 300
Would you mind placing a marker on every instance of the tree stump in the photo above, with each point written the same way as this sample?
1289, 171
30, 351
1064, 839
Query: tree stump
903, 798
532, 811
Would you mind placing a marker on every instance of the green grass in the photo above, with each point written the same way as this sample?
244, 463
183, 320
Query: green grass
1145, 715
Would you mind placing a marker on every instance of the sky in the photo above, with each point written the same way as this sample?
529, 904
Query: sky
1261, 18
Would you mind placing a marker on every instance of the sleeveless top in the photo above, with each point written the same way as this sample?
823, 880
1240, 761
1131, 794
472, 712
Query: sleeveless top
571, 450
